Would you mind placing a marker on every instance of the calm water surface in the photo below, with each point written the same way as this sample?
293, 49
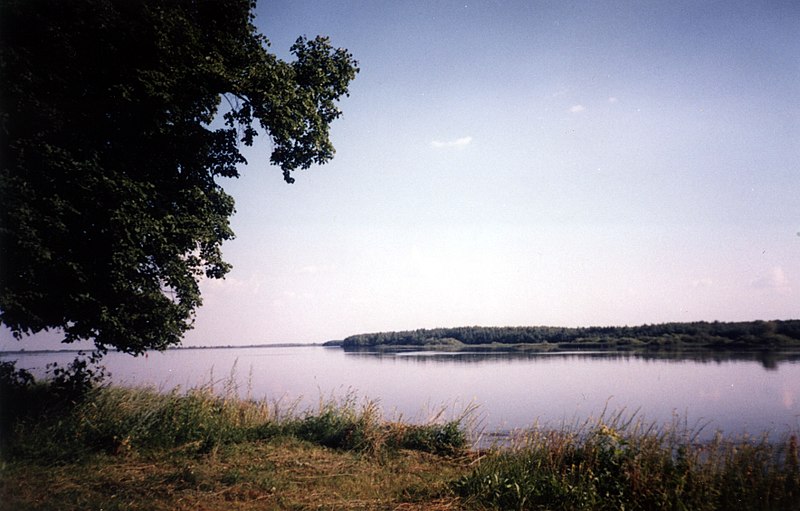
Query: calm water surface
511, 390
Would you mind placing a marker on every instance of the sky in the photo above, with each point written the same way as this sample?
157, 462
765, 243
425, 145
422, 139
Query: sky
505, 163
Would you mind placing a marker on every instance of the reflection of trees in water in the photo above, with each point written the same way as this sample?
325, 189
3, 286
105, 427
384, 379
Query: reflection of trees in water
769, 360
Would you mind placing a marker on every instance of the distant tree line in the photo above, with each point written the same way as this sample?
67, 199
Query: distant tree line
747, 334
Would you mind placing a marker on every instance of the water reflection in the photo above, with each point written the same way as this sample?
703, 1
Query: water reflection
768, 360
733, 392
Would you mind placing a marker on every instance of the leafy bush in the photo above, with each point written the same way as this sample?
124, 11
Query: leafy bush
14, 396
26, 402
80, 376
12, 378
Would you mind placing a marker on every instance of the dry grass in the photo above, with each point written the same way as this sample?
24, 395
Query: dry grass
281, 474
202, 449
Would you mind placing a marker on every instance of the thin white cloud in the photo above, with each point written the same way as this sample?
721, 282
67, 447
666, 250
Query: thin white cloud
576, 109
457, 143
215, 291
312, 269
773, 280
292, 298
613, 99
703, 283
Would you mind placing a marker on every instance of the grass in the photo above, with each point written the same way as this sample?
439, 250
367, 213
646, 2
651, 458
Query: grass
620, 463
205, 448
283, 473
118, 448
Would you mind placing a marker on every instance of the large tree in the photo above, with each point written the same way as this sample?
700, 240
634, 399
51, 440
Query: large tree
119, 117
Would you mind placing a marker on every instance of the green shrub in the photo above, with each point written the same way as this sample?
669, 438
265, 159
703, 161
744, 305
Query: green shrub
447, 439
334, 429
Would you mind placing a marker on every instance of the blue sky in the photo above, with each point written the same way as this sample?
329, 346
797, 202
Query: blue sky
527, 163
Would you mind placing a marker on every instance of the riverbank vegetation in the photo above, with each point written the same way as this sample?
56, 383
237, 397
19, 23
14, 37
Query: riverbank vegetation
105, 447
749, 335
619, 463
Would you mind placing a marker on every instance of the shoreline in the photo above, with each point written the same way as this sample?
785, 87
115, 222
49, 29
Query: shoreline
118, 448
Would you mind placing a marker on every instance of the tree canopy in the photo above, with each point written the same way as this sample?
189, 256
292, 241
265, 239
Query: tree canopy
119, 118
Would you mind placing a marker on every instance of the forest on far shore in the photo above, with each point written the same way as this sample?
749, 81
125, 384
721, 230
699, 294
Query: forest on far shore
761, 335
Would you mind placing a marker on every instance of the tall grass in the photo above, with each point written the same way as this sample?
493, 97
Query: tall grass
120, 420
616, 463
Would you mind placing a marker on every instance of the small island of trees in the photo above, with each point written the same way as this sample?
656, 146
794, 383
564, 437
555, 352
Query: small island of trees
745, 335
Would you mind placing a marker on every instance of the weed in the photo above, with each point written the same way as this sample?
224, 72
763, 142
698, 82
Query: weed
616, 464
204, 443
129, 421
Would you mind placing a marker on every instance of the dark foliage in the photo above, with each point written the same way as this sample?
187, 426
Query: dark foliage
754, 334
15, 397
73, 381
119, 119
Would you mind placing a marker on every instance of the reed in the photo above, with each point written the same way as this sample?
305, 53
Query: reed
623, 463
121, 420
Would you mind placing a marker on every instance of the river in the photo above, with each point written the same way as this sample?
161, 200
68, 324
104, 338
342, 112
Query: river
729, 393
